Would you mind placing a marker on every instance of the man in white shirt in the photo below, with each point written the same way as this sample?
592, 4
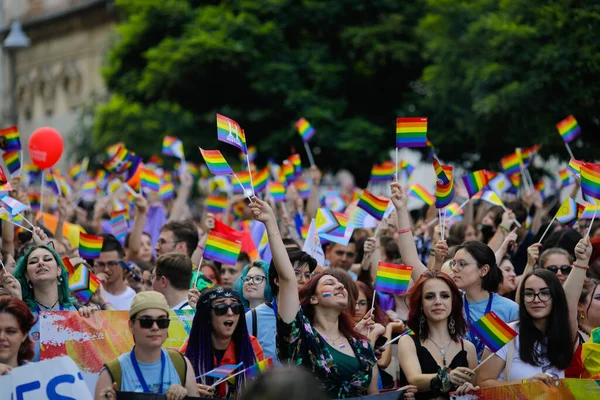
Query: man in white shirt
172, 277
110, 272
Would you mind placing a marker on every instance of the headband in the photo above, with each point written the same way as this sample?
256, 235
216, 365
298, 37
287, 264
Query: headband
219, 293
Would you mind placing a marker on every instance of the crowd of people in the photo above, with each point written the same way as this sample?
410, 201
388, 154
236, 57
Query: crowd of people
324, 319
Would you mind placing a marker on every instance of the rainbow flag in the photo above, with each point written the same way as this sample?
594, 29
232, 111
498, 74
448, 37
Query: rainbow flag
230, 132
419, 192
569, 212
223, 371
76, 171
288, 172
383, 173
260, 180
492, 331
68, 266
528, 153
222, 248
172, 146
166, 191
590, 180
574, 166
476, 181
259, 368
216, 204
215, 162
277, 191
430, 149
564, 176
407, 169
90, 246
34, 201
244, 177
297, 163
12, 162
411, 132
150, 180
83, 283
540, 186
444, 192
305, 130
568, 129
392, 278
454, 210
303, 189
588, 210
10, 140
442, 177
373, 205
511, 164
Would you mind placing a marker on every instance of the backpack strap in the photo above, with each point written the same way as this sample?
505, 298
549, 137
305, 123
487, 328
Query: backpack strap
254, 323
114, 370
180, 365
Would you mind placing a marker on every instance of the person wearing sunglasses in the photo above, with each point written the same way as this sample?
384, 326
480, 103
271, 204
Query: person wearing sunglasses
558, 261
547, 328
219, 337
254, 285
148, 368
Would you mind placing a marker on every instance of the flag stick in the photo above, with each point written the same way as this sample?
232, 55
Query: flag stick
547, 229
391, 341
198, 274
21, 226
441, 222
396, 164
243, 188
217, 383
531, 185
26, 220
480, 364
516, 222
569, 150
3, 267
250, 173
42, 195
130, 189
372, 310
309, 153
459, 208
433, 221
587, 235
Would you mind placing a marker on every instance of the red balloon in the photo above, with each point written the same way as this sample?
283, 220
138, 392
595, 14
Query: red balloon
45, 147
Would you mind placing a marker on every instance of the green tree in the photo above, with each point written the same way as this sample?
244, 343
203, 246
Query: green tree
345, 65
501, 74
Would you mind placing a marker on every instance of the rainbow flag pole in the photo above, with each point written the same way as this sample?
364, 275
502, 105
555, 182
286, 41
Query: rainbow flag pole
248, 195
587, 235
459, 208
309, 153
249, 171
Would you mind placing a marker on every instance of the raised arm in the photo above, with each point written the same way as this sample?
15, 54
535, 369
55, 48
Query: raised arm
312, 204
135, 239
406, 242
288, 302
574, 283
533, 254
509, 241
187, 180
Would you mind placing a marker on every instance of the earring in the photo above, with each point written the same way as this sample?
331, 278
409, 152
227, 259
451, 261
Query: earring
60, 279
29, 284
421, 323
451, 325
581, 316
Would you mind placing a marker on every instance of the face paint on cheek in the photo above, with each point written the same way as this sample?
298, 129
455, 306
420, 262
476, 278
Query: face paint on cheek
327, 294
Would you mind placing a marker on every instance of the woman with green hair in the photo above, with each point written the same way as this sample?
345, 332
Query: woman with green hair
45, 285
253, 284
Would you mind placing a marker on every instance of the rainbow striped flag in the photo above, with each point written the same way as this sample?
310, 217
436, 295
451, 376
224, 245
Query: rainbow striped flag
442, 177
406, 168
419, 192
511, 164
590, 180
492, 331
288, 172
90, 246
216, 204
150, 180
430, 150
303, 189
564, 176
454, 210
476, 181
172, 146
568, 129
215, 162
383, 173
373, 205
166, 191
34, 201
411, 132
297, 163
251, 154
259, 368
444, 192
528, 153
222, 248
305, 130
588, 210
574, 166
83, 283
12, 162
392, 278
230, 132
244, 177
10, 139
569, 212
260, 180
277, 191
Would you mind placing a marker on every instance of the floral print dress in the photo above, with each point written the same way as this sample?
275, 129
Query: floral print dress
301, 344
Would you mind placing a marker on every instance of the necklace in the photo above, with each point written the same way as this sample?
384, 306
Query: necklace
442, 351
46, 307
334, 341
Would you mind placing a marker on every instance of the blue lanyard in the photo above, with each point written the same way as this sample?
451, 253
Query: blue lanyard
479, 345
138, 372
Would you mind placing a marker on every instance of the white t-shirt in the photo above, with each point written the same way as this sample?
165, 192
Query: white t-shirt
184, 305
519, 369
121, 301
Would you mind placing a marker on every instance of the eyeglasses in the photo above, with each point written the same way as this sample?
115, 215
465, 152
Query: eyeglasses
362, 303
256, 279
109, 264
148, 323
460, 264
300, 275
564, 269
221, 309
544, 296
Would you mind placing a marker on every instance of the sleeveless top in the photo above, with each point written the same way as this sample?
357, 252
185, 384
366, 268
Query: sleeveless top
151, 374
430, 366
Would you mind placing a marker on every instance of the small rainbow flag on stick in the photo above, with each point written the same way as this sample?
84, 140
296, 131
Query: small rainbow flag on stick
511, 164
277, 191
373, 205
305, 130
569, 129
392, 278
411, 132
222, 248
259, 368
150, 180
216, 204
419, 192
574, 166
12, 162
444, 192
492, 331
383, 172
569, 212
83, 284
564, 176
476, 181
590, 180
230, 132
173, 147
90, 246
215, 162
166, 191
260, 180
10, 140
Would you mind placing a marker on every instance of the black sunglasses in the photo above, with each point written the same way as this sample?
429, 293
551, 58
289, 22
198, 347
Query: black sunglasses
564, 269
147, 323
221, 309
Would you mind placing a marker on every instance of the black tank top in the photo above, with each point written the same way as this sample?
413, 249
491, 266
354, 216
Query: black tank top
430, 366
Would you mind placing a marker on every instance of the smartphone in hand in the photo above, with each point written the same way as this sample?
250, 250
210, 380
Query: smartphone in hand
128, 267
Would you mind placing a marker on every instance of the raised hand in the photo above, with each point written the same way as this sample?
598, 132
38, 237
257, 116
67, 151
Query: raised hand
399, 198
141, 204
583, 252
261, 211
533, 254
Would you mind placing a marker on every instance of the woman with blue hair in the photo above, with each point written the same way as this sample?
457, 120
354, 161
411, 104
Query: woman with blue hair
253, 284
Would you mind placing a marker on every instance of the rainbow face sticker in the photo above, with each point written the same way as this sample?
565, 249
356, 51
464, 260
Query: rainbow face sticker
327, 294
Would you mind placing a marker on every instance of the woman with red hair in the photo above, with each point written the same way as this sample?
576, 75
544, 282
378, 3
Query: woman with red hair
16, 347
445, 361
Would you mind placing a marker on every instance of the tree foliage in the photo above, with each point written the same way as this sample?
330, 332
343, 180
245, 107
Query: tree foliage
491, 75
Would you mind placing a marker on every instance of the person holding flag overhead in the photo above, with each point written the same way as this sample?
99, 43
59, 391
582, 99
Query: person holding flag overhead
547, 328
